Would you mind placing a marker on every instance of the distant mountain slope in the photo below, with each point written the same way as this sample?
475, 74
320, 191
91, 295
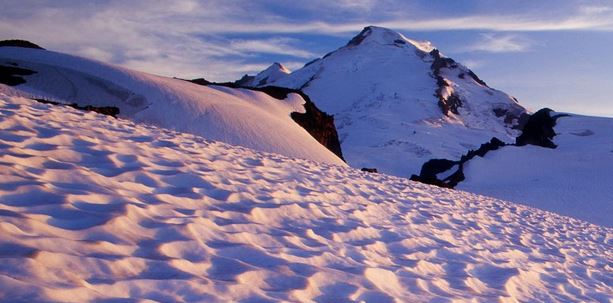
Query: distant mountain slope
104, 210
265, 77
236, 116
574, 179
398, 102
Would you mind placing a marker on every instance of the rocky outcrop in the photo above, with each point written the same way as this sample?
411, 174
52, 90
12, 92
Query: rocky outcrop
448, 100
355, 41
538, 129
13, 75
317, 123
246, 80
105, 110
431, 169
320, 125
19, 43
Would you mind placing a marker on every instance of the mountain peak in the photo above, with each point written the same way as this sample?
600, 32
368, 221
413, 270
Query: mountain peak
386, 36
265, 77
276, 67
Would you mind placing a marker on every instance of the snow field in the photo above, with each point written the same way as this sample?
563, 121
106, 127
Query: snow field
100, 209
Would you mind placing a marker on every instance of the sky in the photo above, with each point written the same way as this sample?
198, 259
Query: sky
546, 53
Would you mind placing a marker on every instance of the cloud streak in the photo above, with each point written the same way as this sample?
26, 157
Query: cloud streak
501, 43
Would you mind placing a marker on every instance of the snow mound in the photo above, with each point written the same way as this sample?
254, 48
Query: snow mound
398, 102
236, 116
100, 209
574, 179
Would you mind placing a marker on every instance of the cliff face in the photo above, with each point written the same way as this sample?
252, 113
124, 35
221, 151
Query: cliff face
320, 125
317, 123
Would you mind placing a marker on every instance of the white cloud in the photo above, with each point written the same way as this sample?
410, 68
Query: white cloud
501, 43
281, 46
473, 63
595, 9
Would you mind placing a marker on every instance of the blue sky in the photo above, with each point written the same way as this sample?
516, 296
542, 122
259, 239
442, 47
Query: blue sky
546, 53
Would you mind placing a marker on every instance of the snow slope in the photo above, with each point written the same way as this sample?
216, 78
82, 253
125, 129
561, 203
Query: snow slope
236, 116
100, 209
382, 90
575, 179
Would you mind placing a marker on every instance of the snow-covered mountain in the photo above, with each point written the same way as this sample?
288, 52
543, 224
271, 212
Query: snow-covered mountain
96, 209
398, 102
237, 116
264, 78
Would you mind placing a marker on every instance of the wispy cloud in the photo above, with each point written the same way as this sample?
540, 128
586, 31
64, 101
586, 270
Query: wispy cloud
474, 63
280, 46
501, 43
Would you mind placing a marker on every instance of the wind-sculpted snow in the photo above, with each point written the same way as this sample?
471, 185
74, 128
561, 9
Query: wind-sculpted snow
94, 208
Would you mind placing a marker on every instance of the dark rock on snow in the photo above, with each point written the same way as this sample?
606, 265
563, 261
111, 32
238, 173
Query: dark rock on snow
317, 123
105, 110
452, 102
432, 168
19, 43
12, 75
538, 130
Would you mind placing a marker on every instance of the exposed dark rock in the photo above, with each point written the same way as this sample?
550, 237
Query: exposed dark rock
327, 55
105, 110
452, 104
369, 170
244, 81
398, 41
263, 81
440, 61
205, 82
320, 125
317, 123
19, 43
12, 76
311, 62
538, 130
453, 101
199, 81
499, 112
493, 144
432, 168
477, 79
360, 37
